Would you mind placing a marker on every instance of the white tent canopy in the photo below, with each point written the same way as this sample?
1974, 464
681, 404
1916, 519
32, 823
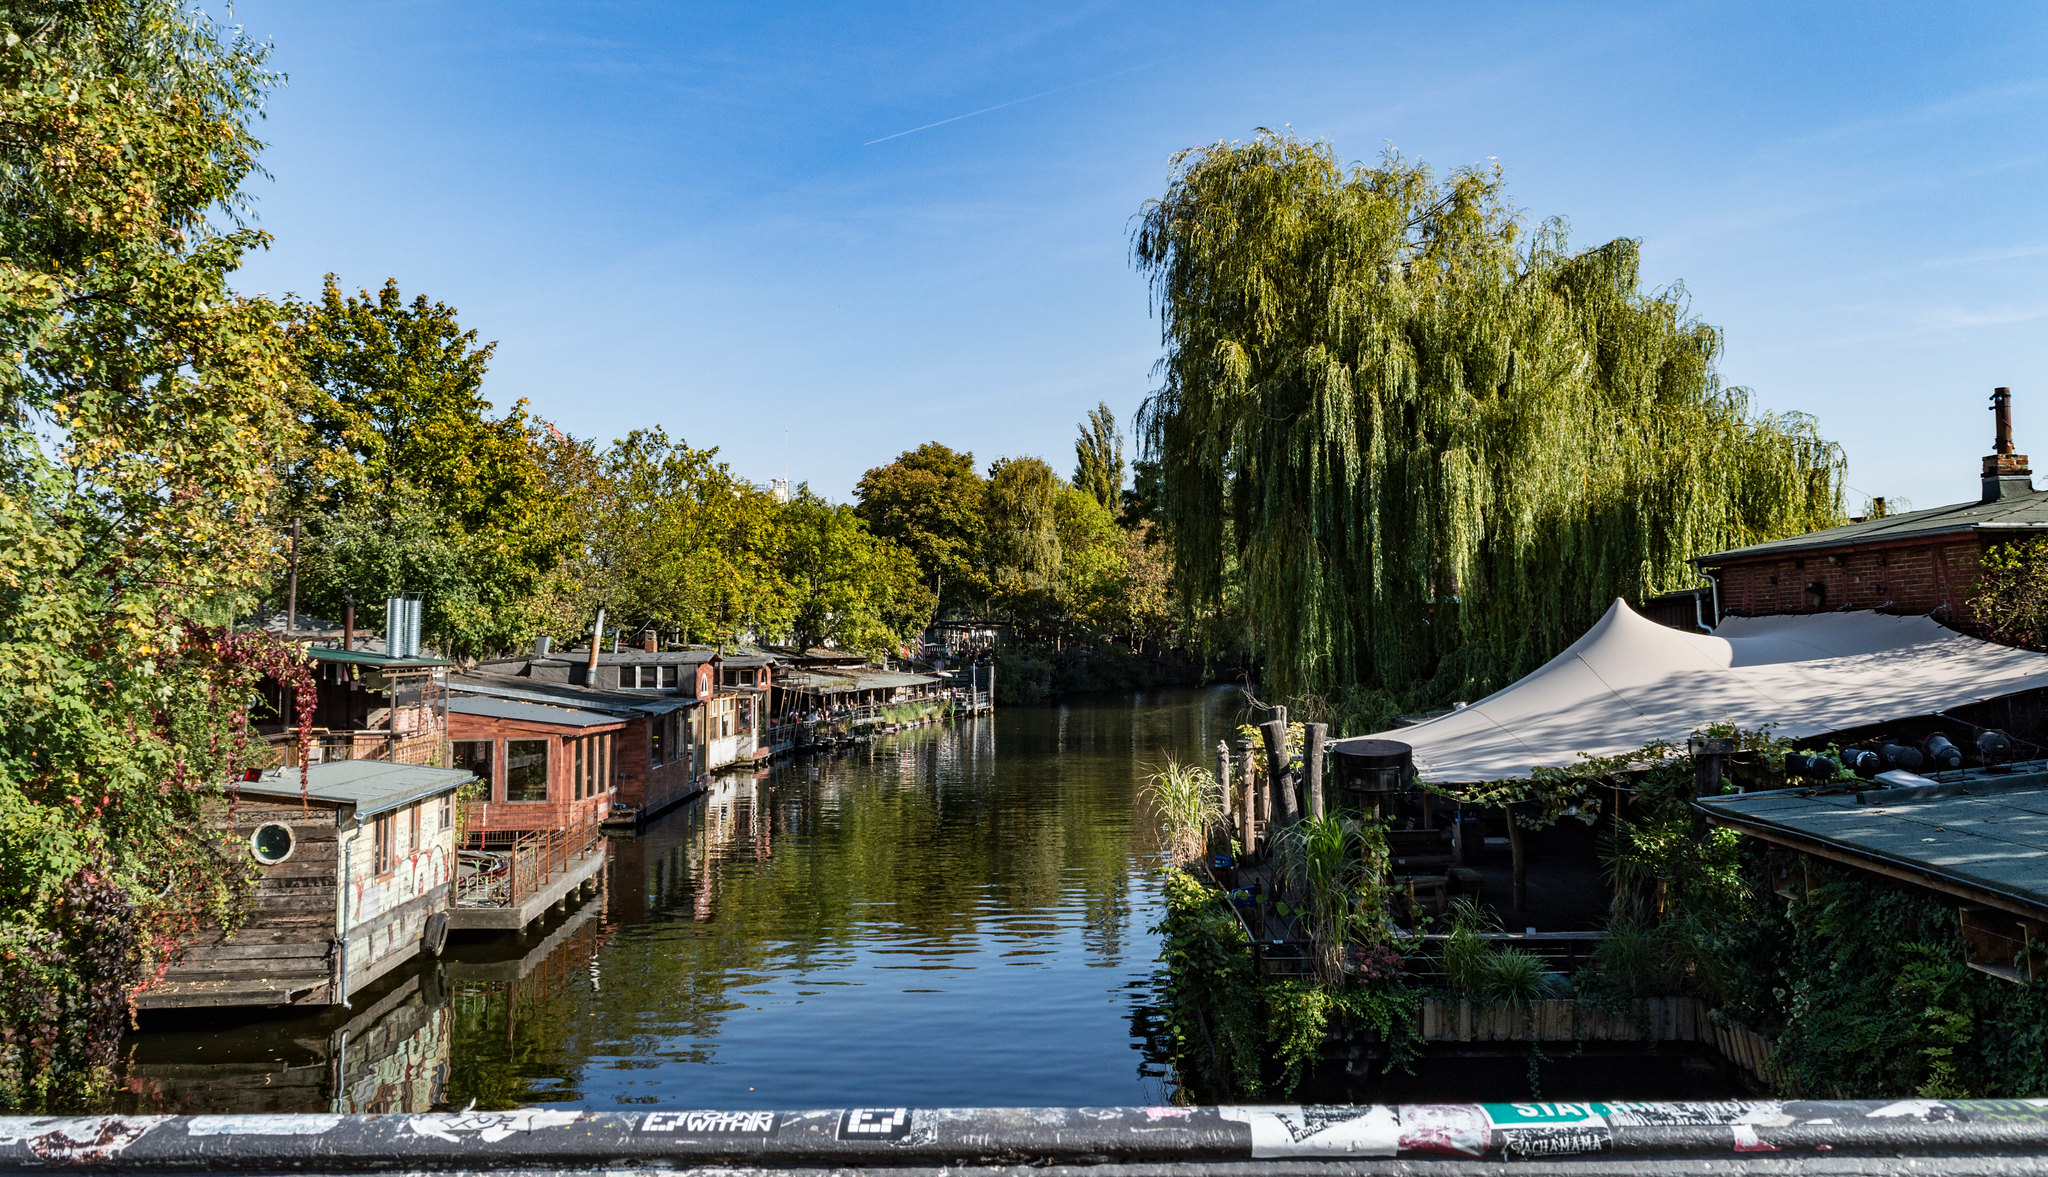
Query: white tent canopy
1629, 681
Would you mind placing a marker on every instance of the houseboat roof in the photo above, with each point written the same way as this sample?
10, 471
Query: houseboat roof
1984, 837
1629, 681
824, 682
376, 659
631, 657
561, 716
2017, 514
371, 786
610, 702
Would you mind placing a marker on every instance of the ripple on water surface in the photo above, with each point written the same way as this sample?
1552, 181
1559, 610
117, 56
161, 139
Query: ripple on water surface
958, 915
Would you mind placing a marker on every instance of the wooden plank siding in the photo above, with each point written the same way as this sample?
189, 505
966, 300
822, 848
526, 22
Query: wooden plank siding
283, 952
563, 807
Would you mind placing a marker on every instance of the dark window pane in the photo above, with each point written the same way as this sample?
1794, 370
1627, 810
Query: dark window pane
526, 770
272, 843
475, 755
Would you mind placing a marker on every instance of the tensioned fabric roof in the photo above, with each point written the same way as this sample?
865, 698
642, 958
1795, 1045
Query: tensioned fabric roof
1629, 681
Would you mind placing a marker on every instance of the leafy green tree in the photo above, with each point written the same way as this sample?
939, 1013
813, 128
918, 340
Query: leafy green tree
845, 585
1099, 457
396, 389
670, 537
1426, 447
1021, 547
138, 409
930, 501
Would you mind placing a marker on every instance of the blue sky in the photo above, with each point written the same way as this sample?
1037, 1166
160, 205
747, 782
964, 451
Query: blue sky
710, 217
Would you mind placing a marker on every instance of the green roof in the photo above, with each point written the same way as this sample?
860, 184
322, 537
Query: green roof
371, 786
2019, 513
373, 658
1988, 833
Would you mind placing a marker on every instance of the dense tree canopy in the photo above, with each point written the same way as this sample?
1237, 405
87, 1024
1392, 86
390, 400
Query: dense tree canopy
1427, 448
930, 502
137, 412
409, 481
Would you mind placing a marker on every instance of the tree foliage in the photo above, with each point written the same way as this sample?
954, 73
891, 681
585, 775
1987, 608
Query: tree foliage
1099, 457
411, 483
137, 412
930, 502
1426, 446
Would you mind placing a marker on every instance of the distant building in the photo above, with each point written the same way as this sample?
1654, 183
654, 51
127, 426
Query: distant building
1911, 563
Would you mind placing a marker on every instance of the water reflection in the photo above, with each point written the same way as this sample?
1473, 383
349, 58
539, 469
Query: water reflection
390, 1055
953, 916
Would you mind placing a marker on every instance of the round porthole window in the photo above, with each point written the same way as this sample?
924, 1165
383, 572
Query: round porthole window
271, 843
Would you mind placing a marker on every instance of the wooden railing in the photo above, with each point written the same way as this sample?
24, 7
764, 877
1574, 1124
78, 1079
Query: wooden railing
424, 748
506, 868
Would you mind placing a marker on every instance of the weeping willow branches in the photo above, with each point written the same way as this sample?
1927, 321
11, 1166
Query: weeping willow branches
1426, 449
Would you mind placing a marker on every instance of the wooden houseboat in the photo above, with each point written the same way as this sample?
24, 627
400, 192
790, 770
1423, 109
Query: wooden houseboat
534, 834
353, 879
646, 763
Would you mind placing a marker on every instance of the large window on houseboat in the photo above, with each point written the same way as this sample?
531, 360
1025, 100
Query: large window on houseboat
581, 769
526, 770
475, 756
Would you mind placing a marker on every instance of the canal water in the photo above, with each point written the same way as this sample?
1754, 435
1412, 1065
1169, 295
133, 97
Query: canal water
953, 916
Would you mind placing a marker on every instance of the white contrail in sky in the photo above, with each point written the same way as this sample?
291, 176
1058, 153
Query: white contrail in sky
1000, 105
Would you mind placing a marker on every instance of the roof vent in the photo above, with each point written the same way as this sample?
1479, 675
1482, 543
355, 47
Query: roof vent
2006, 475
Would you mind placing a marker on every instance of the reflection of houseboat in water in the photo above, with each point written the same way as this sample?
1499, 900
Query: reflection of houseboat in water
392, 1055
676, 862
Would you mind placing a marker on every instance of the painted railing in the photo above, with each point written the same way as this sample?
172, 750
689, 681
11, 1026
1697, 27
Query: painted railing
506, 868
1933, 1136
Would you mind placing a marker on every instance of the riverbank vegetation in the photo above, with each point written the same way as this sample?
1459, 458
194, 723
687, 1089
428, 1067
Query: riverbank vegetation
1859, 987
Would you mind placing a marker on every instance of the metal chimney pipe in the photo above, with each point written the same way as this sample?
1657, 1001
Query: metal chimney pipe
2001, 408
394, 627
596, 636
415, 609
348, 622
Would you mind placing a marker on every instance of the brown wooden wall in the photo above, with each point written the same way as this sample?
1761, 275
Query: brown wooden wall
288, 939
562, 808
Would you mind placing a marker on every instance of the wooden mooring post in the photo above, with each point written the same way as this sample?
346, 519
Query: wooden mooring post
1286, 807
1223, 789
1248, 805
1313, 736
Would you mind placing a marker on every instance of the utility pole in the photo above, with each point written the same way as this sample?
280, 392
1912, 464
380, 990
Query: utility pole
291, 598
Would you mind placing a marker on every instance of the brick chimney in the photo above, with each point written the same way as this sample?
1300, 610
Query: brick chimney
2006, 475
651, 644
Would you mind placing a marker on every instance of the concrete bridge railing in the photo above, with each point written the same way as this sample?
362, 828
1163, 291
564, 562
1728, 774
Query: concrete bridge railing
1929, 1136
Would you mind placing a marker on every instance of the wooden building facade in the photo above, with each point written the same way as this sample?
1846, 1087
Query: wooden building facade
353, 879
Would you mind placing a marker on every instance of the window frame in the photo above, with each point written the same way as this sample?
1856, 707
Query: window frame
546, 765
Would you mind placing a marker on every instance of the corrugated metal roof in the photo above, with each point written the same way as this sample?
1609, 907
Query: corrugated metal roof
2021, 514
493, 708
832, 683
1985, 832
376, 658
565, 695
372, 786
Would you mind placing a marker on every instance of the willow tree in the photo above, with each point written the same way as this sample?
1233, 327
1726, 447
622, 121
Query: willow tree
1427, 446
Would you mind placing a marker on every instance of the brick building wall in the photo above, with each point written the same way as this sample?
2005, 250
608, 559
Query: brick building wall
649, 787
1906, 578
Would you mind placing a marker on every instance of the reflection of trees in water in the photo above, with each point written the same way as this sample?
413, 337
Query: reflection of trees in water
922, 850
517, 1019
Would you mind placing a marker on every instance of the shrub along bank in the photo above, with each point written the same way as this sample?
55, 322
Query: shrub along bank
1859, 984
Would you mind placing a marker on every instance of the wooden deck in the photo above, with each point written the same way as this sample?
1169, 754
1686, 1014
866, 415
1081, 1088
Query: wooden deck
512, 917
